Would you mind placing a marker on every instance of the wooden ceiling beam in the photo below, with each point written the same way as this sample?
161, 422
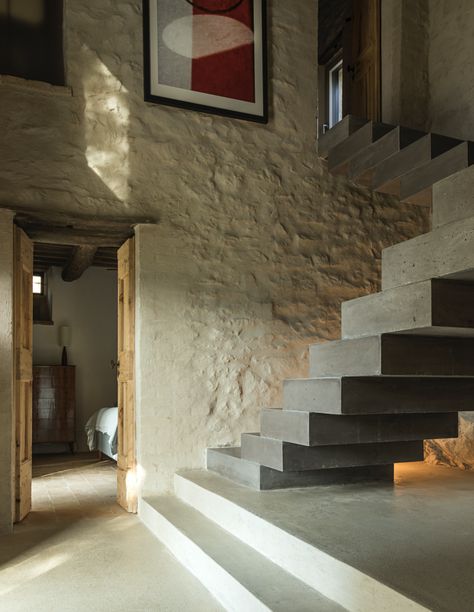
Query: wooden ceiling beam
81, 258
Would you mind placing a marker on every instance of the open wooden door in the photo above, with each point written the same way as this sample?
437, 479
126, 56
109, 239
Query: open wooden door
362, 61
23, 370
126, 461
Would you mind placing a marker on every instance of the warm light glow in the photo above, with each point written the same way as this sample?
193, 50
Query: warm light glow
107, 122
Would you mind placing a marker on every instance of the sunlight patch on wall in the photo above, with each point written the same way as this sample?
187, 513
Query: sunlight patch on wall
107, 121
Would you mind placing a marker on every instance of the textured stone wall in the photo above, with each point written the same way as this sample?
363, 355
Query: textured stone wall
451, 64
256, 245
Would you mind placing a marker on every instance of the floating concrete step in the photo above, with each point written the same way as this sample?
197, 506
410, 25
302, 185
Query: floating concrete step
227, 462
434, 307
237, 575
379, 394
395, 354
284, 456
339, 132
340, 155
316, 536
314, 429
387, 175
362, 166
416, 186
452, 198
445, 252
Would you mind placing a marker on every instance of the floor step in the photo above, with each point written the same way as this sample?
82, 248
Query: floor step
452, 198
314, 429
285, 456
387, 175
332, 538
340, 156
416, 186
228, 463
445, 252
237, 575
379, 394
362, 166
393, 354
339, 132
433, 307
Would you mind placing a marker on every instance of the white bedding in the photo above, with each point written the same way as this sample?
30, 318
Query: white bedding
104, 421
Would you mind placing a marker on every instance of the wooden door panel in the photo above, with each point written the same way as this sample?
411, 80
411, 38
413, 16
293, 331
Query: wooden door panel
363, 61
23, 371
126, 462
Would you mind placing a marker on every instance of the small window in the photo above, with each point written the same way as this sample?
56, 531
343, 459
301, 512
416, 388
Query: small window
31, 39
38, 284
335, 93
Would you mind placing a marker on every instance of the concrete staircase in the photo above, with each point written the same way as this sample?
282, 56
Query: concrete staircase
405, 365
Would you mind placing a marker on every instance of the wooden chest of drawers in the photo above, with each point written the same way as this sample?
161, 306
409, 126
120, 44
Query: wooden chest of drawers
54, 404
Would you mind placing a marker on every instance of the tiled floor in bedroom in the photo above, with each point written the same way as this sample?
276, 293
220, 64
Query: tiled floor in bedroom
78, 550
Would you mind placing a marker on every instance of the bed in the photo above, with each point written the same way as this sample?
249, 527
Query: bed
101, 431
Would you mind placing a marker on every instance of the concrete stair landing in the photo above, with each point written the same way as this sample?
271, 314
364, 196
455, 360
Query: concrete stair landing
404, 367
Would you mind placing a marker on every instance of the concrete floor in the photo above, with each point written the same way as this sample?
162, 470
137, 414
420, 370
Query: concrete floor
416, 536
78, 551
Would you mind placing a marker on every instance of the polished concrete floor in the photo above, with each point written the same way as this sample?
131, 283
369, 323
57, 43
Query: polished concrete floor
415, 536
79, 551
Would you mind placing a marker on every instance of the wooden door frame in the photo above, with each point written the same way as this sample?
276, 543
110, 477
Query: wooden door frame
50, 237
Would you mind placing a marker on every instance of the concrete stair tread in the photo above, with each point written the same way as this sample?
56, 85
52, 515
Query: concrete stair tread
341, 154
445, 252
416, 186
362, 166
316, 429
433, 307
339, 132
393, 354
387, 175
196, 540
380, 394
229, 464
285, 456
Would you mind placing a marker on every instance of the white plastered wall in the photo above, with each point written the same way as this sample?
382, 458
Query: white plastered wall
257, 244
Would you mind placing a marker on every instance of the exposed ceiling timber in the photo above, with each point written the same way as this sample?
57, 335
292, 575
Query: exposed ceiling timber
75, 237
52, 227
82, 257
47, 255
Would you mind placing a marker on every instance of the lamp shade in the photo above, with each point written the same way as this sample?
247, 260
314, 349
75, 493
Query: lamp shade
65, 335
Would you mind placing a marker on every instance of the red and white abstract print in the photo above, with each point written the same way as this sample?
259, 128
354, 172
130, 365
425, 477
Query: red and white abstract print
207, 46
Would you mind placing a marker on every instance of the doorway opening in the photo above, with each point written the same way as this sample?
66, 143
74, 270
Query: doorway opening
74, 316
349, 58
74, 397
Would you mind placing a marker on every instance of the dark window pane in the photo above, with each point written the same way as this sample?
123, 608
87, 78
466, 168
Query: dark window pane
31, 39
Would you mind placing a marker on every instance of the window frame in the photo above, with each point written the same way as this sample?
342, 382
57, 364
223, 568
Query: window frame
335, 63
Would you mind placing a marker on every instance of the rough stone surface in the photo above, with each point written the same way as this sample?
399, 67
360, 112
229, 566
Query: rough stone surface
257, 244
456, 452
451, 67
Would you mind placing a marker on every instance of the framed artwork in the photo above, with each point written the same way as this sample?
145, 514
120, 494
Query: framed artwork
207, 55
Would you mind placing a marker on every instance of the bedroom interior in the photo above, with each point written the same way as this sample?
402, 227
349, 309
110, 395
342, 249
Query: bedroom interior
75, 413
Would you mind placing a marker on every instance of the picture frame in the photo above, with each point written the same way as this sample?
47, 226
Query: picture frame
207, 55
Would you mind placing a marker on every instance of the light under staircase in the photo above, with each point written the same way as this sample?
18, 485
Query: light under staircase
405, 365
